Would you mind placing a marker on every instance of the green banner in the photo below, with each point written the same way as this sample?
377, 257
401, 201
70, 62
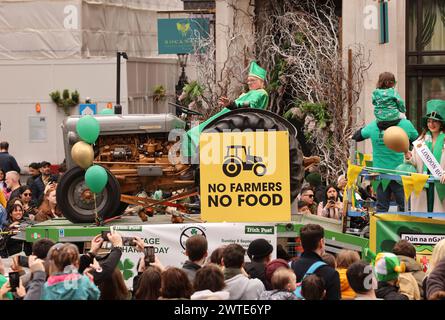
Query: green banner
387, 229
179, 35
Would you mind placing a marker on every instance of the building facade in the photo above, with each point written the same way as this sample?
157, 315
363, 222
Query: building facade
50, 45
413, 49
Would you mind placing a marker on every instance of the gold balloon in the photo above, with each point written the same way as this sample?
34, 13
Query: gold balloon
396, 139
82, 154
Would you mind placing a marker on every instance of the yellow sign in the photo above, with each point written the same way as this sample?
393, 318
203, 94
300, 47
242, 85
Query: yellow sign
245, 177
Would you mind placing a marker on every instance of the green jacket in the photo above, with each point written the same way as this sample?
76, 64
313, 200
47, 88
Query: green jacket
387, 104
257, 99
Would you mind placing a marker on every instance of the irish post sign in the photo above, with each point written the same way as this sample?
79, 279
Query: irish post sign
178, 35
245, 177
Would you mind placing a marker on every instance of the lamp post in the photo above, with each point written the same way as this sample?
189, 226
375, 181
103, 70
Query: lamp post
182, 57
118, 107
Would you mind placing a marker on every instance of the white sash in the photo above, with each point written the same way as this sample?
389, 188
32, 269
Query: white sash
428, 158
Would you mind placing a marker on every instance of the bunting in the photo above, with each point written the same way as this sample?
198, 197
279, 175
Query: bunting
353, 172
419, 181
408, 186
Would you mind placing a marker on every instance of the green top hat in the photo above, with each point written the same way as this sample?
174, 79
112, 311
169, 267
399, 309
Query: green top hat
256, 71
435, 109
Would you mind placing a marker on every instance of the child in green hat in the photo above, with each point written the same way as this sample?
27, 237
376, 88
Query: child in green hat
387, 267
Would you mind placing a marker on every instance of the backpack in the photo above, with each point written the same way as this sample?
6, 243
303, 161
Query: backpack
309, 271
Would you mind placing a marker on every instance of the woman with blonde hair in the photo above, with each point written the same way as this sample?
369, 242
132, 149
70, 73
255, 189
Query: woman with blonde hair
48, 209
435, 275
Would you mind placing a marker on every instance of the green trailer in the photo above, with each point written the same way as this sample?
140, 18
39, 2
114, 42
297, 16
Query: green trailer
62, 230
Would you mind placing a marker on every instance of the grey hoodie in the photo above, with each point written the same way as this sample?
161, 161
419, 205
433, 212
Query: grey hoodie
243, 288
278, 295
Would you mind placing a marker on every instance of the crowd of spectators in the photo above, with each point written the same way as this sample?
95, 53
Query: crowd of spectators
59, 272
22, 204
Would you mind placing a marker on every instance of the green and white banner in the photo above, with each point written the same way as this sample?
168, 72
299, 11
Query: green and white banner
169, 241
387, 229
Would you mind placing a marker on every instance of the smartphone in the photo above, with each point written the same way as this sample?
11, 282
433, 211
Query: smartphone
149, 253
128, 241
104, 235
23, 261
14, 281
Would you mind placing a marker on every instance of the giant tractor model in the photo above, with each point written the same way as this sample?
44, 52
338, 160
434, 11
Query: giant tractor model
135, 149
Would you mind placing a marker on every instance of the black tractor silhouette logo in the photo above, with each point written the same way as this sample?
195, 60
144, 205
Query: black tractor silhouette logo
233, 162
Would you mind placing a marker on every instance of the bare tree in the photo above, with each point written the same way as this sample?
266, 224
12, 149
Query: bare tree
298, 42
300, 47
230, 80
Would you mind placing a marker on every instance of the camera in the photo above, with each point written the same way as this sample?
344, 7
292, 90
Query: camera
14, 281
149, 255
23, 261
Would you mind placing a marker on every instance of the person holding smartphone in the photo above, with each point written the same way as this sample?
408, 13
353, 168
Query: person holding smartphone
331, 207
8, 245
101, 268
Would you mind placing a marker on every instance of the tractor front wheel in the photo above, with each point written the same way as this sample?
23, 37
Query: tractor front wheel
259, 169
78, 203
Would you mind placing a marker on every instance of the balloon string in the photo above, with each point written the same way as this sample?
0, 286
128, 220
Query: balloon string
95, 205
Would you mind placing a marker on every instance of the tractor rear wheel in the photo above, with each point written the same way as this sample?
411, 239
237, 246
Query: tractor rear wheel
232, 167
257, 119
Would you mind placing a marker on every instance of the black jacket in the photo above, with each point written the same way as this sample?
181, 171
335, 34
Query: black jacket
8, 162
386, 291
329, 275
107, 263
37, 189
257, 270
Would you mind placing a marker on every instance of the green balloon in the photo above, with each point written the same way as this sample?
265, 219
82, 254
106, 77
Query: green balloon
88, 128
407, 167
96, 178
106, 111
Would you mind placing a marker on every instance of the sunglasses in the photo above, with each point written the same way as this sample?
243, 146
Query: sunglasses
27, 194
309, 195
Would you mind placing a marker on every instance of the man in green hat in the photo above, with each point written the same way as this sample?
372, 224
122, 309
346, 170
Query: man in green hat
433, 136
256, 97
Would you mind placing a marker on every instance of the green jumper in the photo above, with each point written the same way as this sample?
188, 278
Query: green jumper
258, 99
